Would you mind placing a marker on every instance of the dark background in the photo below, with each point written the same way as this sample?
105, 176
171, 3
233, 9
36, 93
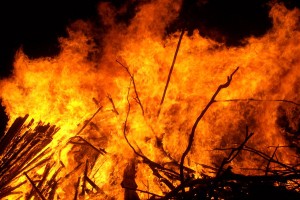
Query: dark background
36, 25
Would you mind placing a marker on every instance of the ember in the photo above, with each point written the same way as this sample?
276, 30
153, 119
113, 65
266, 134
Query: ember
145, 115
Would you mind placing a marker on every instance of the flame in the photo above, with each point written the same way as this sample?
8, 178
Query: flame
67, 90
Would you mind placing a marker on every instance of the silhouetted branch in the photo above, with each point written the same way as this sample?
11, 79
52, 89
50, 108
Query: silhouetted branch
270, 160
153, 165
92, 183
171, 70
234, 152
113, 104
259, 100
85, 142
77, 188
84, 178
35, 188
87, 122
192, 134
142, 191
137, 98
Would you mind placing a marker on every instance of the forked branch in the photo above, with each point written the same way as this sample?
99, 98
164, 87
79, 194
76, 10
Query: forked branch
192, 134
155, 167
137, 98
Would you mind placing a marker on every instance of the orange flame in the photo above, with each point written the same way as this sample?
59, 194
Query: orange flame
68, 89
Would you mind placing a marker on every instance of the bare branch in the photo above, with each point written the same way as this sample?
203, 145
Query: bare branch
83, 186
259, 100
170, 72
137, 98
234, 152
92, 184
269, 162
142, 191
76, 189
113, 104
101, 151
192, 134
84, 126
153, 165
35, 187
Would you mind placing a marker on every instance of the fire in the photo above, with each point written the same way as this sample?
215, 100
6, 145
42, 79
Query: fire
90, 87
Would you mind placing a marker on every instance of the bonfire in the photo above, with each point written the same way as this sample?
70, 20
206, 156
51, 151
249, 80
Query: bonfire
150, 116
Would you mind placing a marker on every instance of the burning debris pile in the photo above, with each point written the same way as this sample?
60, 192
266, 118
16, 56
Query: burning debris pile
131, 127
22, 151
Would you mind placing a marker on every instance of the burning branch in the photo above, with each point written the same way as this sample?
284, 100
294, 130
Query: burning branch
227, 184
35, 188
76, 189
192, 134
259, 100
85, 142
87, 122
171, 70
234, 152
137, 99
84, 178
113, 104
142, 191
270, 160
155, 167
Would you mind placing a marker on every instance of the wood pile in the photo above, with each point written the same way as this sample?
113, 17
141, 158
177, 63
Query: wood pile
21, 150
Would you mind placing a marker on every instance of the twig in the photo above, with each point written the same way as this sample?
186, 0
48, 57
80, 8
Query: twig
151, 164
73, 171
113, 104
35, 188
89, 121
76, 189
137, 98
171, 70
92, 183
125, 126
208, 183
192, 134
161, 178
84, 178
42, 154
269, 162
142, 191
52, 191
268, 158
101, 151
234, 152
42, 181
5, 191
259, 100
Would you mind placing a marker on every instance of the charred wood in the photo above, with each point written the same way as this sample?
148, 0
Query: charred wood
22, 148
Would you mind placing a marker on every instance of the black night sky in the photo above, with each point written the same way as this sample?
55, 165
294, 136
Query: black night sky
36, 25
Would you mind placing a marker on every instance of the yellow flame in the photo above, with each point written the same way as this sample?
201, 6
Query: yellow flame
67, 89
